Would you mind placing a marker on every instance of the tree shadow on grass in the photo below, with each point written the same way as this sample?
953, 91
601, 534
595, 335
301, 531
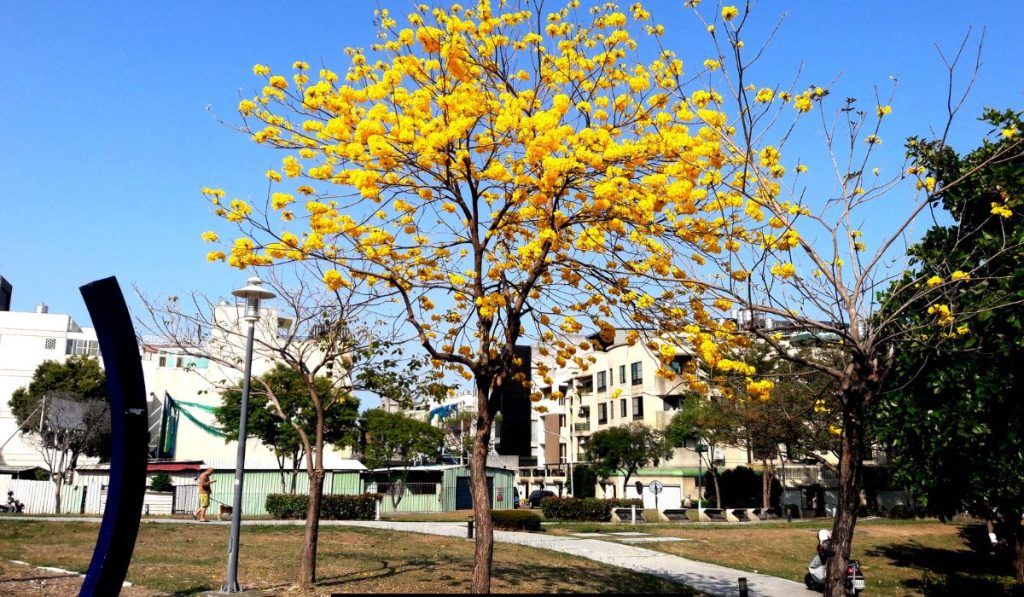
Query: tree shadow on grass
568, 579
558, 579
942, 568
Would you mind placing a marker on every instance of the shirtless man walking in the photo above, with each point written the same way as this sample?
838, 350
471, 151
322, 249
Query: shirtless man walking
204, 494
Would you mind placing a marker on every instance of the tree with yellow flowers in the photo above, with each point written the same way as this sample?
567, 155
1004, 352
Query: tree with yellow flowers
500, 172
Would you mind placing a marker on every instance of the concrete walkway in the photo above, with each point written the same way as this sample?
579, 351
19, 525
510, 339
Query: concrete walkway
708, 578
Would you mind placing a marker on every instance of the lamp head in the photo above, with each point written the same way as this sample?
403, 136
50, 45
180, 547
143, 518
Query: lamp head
253, 292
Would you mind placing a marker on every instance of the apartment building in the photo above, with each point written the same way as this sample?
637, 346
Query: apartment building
620, 386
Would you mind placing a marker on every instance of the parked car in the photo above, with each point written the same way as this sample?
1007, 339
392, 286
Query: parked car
537, 495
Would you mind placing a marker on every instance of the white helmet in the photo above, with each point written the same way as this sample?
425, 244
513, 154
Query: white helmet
824, 535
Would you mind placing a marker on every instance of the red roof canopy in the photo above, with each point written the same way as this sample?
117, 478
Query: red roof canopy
173, 467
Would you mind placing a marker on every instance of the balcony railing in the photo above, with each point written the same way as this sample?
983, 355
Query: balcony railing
581, 426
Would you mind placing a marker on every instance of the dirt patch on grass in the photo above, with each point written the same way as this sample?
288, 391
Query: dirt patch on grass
30, 581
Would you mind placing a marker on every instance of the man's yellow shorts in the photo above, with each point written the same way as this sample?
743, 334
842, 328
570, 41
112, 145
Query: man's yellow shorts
204, 500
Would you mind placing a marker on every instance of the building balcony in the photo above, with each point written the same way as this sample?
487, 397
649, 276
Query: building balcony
581, 426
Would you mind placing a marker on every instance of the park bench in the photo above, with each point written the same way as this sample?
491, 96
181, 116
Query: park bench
626, 514
715, 515
676, 515
741, 515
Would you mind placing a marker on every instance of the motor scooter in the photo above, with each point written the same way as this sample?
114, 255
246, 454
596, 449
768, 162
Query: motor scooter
12, 506
815, 577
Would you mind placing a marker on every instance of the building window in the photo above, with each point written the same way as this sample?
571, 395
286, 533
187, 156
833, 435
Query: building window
622, 374
623, 408
563, 451
89, 348
561, 421
636, 373
51, 344
602, 413
638, 407
602, 382
587, 386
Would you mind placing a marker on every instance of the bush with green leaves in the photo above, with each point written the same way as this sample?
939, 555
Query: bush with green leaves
586, 510
161, 482
516, 520
332, 507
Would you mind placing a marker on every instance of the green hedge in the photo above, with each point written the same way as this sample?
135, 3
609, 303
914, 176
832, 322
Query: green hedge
515, 520
587, 509
332, 507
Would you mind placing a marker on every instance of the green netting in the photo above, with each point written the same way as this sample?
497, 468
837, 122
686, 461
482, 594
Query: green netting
179, 406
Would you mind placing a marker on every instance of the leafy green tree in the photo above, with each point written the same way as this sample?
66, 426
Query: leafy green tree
278, 434
797, 420
394, 439
952, 416
624, 450
710, 421
65, 407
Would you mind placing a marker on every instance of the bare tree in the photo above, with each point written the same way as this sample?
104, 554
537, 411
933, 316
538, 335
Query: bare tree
798, 255
70, 427
326, 335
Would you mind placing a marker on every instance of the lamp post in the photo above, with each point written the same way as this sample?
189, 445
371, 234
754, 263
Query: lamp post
701, 448
253, 293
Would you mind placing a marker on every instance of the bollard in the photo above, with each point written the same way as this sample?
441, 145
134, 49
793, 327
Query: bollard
469, 530
633, 513
376, 509
743, 587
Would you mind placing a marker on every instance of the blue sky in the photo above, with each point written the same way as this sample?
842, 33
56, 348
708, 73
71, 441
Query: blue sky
108, 113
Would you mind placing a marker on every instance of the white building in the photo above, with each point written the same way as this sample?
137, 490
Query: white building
27, 339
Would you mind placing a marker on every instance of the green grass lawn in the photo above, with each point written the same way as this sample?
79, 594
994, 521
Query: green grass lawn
186, 559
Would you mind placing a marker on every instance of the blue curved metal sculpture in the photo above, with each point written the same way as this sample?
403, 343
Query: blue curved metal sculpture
129, 438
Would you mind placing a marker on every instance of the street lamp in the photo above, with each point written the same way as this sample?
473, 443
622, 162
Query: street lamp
253, 293
700, 449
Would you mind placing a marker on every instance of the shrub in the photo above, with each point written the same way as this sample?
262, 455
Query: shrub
901, 511
161, 482
332, 507
587, 510
515, 520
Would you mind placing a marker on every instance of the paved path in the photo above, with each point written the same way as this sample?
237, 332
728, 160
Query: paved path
709, 578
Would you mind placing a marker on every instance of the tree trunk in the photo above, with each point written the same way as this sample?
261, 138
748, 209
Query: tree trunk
280, 469
307, 573
766, 485
1018, 553
484, 552
58, 482
848, 501
718, 491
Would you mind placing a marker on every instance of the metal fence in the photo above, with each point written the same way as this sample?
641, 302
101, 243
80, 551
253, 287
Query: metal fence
39, 496
411, 497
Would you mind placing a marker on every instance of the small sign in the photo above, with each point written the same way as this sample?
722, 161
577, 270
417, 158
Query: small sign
500, 494
655, 487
